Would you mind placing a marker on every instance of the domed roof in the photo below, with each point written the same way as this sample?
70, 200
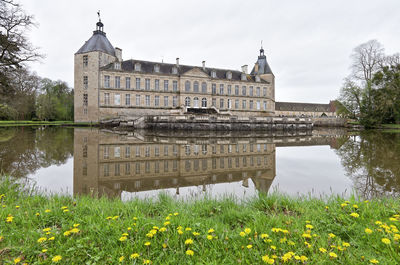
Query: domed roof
98, 42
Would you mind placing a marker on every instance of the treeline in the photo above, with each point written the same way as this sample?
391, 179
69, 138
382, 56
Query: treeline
24, 95
371, 93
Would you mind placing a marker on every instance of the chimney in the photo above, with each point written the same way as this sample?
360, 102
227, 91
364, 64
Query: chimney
244, 69
256, 67
204, 65
118, 54
177, 62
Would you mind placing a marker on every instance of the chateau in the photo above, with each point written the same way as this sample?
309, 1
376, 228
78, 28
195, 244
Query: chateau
108, 87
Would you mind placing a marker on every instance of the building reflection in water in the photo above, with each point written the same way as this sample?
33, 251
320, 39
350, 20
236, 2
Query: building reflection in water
108, 163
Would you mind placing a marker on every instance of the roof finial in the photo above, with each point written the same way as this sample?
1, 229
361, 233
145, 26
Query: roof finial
98, 14
261, 50
99, 25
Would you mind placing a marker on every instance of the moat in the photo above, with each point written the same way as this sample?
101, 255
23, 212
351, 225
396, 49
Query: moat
188, 165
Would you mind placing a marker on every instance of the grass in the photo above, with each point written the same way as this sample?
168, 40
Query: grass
268, 229
390, 126
38, 123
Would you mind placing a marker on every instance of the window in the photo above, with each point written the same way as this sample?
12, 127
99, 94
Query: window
213, 89
85, 60
117, 99
156, 68
196, 86
265, 105
137, 100
250, 91
196, 102
127, 82
156, 101
137, 83
175, 85
243, 90
147, 84
229, 90
214, 102
127, 151
221, 89
85, 99
137, 150
187, 102
229, 103
204, 87
258, 92
204, 103
117, 82
107, 98
137, 66
264, 91
229, 75
250, 104
221, 103
174, 101
258, 105
117, 66
127, 100
187, 86
106, 81
165, 85
117, 151
243, 77
236, 103
165, 101
147, 99
213, 74
244, 104
85, 111
237, 90
174, 70
157, 84
85, 82
258, 78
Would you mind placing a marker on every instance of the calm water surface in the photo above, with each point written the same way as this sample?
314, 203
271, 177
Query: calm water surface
145, 163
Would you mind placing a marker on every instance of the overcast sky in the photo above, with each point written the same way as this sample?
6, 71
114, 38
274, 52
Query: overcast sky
307, 43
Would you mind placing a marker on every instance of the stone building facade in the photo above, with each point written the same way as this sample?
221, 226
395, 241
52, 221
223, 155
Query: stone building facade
108, 87
305, 109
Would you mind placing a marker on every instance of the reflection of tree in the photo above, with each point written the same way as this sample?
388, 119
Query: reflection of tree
30, 149
372, 161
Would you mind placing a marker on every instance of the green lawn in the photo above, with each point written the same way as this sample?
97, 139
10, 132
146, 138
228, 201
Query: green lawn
36, 123
268, 229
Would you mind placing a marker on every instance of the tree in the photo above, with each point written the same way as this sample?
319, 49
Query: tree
367, 59
15, 49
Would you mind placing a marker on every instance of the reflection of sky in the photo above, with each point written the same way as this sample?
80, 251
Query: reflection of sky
309, 169
55, 179
212, 190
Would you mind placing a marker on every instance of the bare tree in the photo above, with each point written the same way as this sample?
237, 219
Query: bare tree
367, 59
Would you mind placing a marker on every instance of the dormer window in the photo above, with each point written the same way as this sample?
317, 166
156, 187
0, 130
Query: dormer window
243, 77
213, 74
117, 66
137, 66
257, 78
229, 75
174, 70
157, 68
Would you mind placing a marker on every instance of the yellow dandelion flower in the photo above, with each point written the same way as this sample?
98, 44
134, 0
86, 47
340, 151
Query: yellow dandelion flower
196, 233
211, 230
44, 250
67, 233
176, 214
386, 241
125, 234
209, 237
263, 236
16, 260
273, 247
331, 235
247, 230
115, 217
188, 229
41, 240
37, 214
180, 232
343, 204
47, 211
168, 218
164, 245
74, 230
123, 238
108, 217
355, 206
267, 259
306, 235
249, 246
163, 229
242, 234
345, 244
167, 223
51, 238
374, 261
134, 218
189, 252
121, 259
368, 231
332, 255
64, 207
76, 225
355, 215
134, 256
56, 258
188, 241
323, 250
146, 261
46, 229
309, 226
378, 222
9, 219
147, 243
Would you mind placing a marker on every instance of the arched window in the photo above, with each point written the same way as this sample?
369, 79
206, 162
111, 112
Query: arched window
196, 102
204, 102
204, 87
187, 102
196, 86
187, 86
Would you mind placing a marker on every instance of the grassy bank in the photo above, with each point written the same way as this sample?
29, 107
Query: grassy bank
270, 229
39, 123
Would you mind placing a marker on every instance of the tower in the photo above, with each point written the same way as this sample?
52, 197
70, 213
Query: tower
95, 53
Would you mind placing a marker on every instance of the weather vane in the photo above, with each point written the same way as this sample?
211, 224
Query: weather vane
261, 44
98, 14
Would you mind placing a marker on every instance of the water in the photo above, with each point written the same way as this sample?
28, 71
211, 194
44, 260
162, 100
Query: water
190, 165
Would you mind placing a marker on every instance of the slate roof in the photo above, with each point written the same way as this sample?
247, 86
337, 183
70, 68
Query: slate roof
166, 68
98, 42
294, 106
